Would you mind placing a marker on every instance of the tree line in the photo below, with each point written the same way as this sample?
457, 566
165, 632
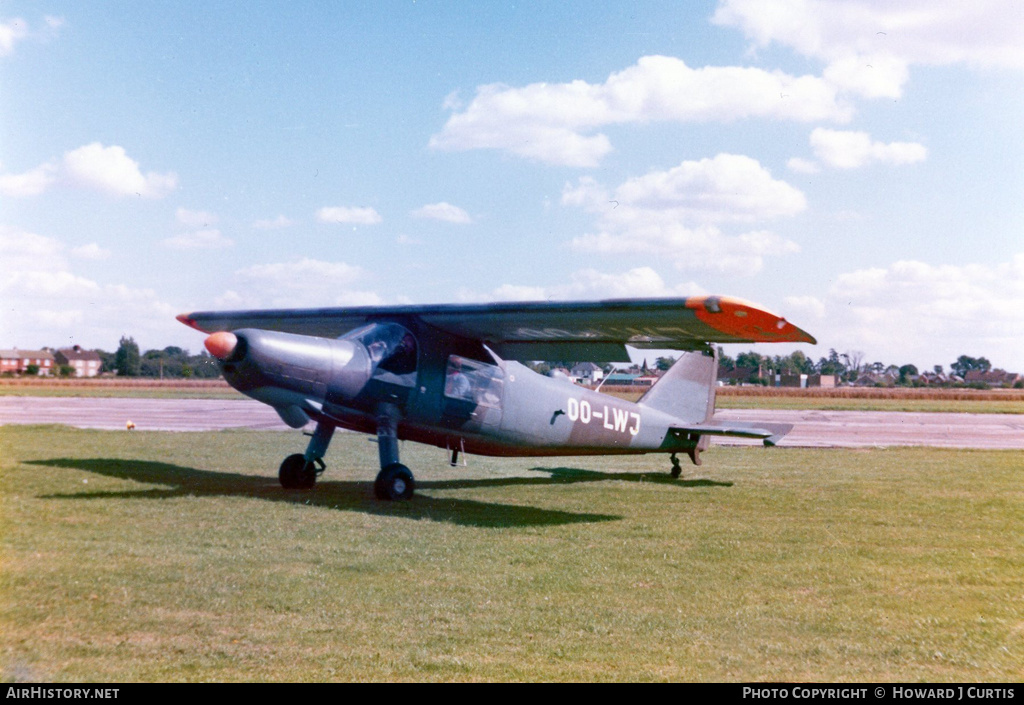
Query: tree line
170, 363
173, 362
848, 367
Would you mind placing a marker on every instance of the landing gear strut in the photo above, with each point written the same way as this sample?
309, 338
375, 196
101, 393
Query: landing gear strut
676, 470
299, 471
395, 481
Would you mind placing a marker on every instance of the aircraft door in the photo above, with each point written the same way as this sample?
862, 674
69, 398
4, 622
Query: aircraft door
473, 392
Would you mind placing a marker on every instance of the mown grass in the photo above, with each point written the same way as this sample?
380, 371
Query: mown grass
161, 556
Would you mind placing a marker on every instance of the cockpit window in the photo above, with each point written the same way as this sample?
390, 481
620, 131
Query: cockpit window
392, 351
473, 381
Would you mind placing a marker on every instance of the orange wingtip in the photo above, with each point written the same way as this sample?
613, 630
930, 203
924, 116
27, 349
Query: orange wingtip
742, 319
187, 320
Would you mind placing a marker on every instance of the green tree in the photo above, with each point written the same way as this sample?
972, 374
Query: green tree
126, 359
965, 364
202, 366
724, 360
749, 359
906, 372
831, 365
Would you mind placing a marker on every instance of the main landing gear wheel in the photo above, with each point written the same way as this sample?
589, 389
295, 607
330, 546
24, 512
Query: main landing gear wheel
296, 473
394, 483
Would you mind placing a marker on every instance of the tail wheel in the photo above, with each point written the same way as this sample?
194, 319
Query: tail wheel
296, 473
394, 483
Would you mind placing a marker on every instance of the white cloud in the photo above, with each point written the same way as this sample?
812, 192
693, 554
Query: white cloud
728, 187
675, 215
869, 44
929, 314
303, 282
30, 183
589, 284
106, 169
443, 211
810, 306
111, 170
869, 76
850, 150
552, 122
346, 214
11, 32
21, 250
278, 223
46, 303
92, 251
14, 30
803, 166
207, 239
195, 219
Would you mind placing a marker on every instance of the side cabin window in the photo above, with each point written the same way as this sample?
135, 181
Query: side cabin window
392, 350
474, 381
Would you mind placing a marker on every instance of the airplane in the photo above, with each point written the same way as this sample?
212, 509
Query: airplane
452, 376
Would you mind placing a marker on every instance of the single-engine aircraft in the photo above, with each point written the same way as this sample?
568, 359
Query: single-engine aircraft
452, 376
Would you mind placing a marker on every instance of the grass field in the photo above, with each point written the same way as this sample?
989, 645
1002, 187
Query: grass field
161, 556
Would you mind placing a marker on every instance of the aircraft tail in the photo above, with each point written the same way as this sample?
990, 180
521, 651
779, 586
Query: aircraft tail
687, 390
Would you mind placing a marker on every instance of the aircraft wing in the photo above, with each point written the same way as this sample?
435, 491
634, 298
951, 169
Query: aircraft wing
572, 330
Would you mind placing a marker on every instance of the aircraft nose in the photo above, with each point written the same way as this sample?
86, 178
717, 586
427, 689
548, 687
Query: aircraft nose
221, 344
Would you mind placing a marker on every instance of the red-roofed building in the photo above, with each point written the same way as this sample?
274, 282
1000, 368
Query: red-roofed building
18, 361
86, 362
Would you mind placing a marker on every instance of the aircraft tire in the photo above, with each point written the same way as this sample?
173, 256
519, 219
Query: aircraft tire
296, 473
394, 483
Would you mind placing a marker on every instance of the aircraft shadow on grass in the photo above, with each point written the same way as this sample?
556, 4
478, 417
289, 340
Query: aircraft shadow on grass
182, 481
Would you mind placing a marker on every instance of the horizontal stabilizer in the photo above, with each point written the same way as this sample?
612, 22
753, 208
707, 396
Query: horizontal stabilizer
770, 433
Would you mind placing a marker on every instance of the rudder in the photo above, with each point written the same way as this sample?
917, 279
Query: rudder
687, 390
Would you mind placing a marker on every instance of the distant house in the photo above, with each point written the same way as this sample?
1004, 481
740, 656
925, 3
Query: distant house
622, 378
586, 373
932, 379
559, 373
790, 381
18, 361
10, 361
827, 381
872, 379
994, 378
736, 375
86, 363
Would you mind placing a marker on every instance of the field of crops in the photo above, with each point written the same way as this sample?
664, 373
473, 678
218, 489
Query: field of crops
994, 401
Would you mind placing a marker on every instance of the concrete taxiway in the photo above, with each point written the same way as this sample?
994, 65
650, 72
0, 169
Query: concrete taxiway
822, 429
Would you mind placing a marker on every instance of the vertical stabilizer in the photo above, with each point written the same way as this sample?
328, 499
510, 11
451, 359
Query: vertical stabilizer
687, 390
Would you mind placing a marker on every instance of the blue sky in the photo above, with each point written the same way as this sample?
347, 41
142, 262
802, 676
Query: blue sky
855, 166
